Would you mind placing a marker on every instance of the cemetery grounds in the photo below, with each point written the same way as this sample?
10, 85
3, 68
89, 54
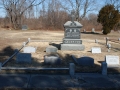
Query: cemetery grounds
13, 39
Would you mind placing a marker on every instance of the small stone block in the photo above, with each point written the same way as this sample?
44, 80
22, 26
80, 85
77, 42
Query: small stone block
23, 58
51, 49
29, 50
72, 69
52, 59
85, 61
104, 68
112, 60
96, 50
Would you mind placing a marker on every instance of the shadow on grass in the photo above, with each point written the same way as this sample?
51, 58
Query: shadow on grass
66, 59
91, 33
56, 45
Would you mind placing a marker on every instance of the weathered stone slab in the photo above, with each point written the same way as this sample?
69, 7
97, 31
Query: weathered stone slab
51, 49
112, 60
29, 50
79, 47
52, 59
96, 50
23, 58
85, 61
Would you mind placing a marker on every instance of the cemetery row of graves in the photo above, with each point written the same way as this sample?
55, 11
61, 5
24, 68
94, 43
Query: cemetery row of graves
65, 51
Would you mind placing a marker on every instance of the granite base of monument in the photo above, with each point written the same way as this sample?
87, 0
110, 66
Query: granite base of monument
72, 47
72, 41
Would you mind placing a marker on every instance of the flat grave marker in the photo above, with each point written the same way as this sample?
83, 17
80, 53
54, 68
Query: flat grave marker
29, 50
96, 50
112, 60
23, 58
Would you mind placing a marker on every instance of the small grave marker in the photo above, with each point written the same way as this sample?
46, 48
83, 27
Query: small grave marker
109, 46
112, 60
118, 39
84, 30
93, 30
96, 41
51, 49
96, 50
29, 50
23, 58
24, 27
52, 59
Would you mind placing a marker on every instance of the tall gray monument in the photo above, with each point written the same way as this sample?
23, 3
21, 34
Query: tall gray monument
71, 40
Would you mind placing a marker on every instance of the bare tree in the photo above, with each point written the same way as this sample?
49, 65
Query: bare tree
16, 8
81, 7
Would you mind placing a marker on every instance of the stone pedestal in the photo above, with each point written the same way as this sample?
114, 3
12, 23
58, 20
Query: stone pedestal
79, 47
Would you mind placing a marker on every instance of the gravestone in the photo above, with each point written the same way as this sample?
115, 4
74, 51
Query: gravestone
118, 39
23, 58
96, 41
24, 27
71, 40
52, 59
84, 61
29, 50
112, 60
84, 30
109, 46
51, 49
93, 30
96, 50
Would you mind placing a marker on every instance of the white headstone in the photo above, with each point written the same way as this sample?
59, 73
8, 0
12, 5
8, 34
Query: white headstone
112, 60
96, 50
29, 50
93, 30
109, 46
118, 39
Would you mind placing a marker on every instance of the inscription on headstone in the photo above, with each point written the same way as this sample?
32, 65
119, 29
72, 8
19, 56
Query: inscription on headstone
72, 33
112, 60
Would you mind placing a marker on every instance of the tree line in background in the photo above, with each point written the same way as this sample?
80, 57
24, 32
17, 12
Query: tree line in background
51, 14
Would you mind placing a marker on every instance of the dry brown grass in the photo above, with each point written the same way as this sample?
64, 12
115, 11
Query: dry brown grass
11, 40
